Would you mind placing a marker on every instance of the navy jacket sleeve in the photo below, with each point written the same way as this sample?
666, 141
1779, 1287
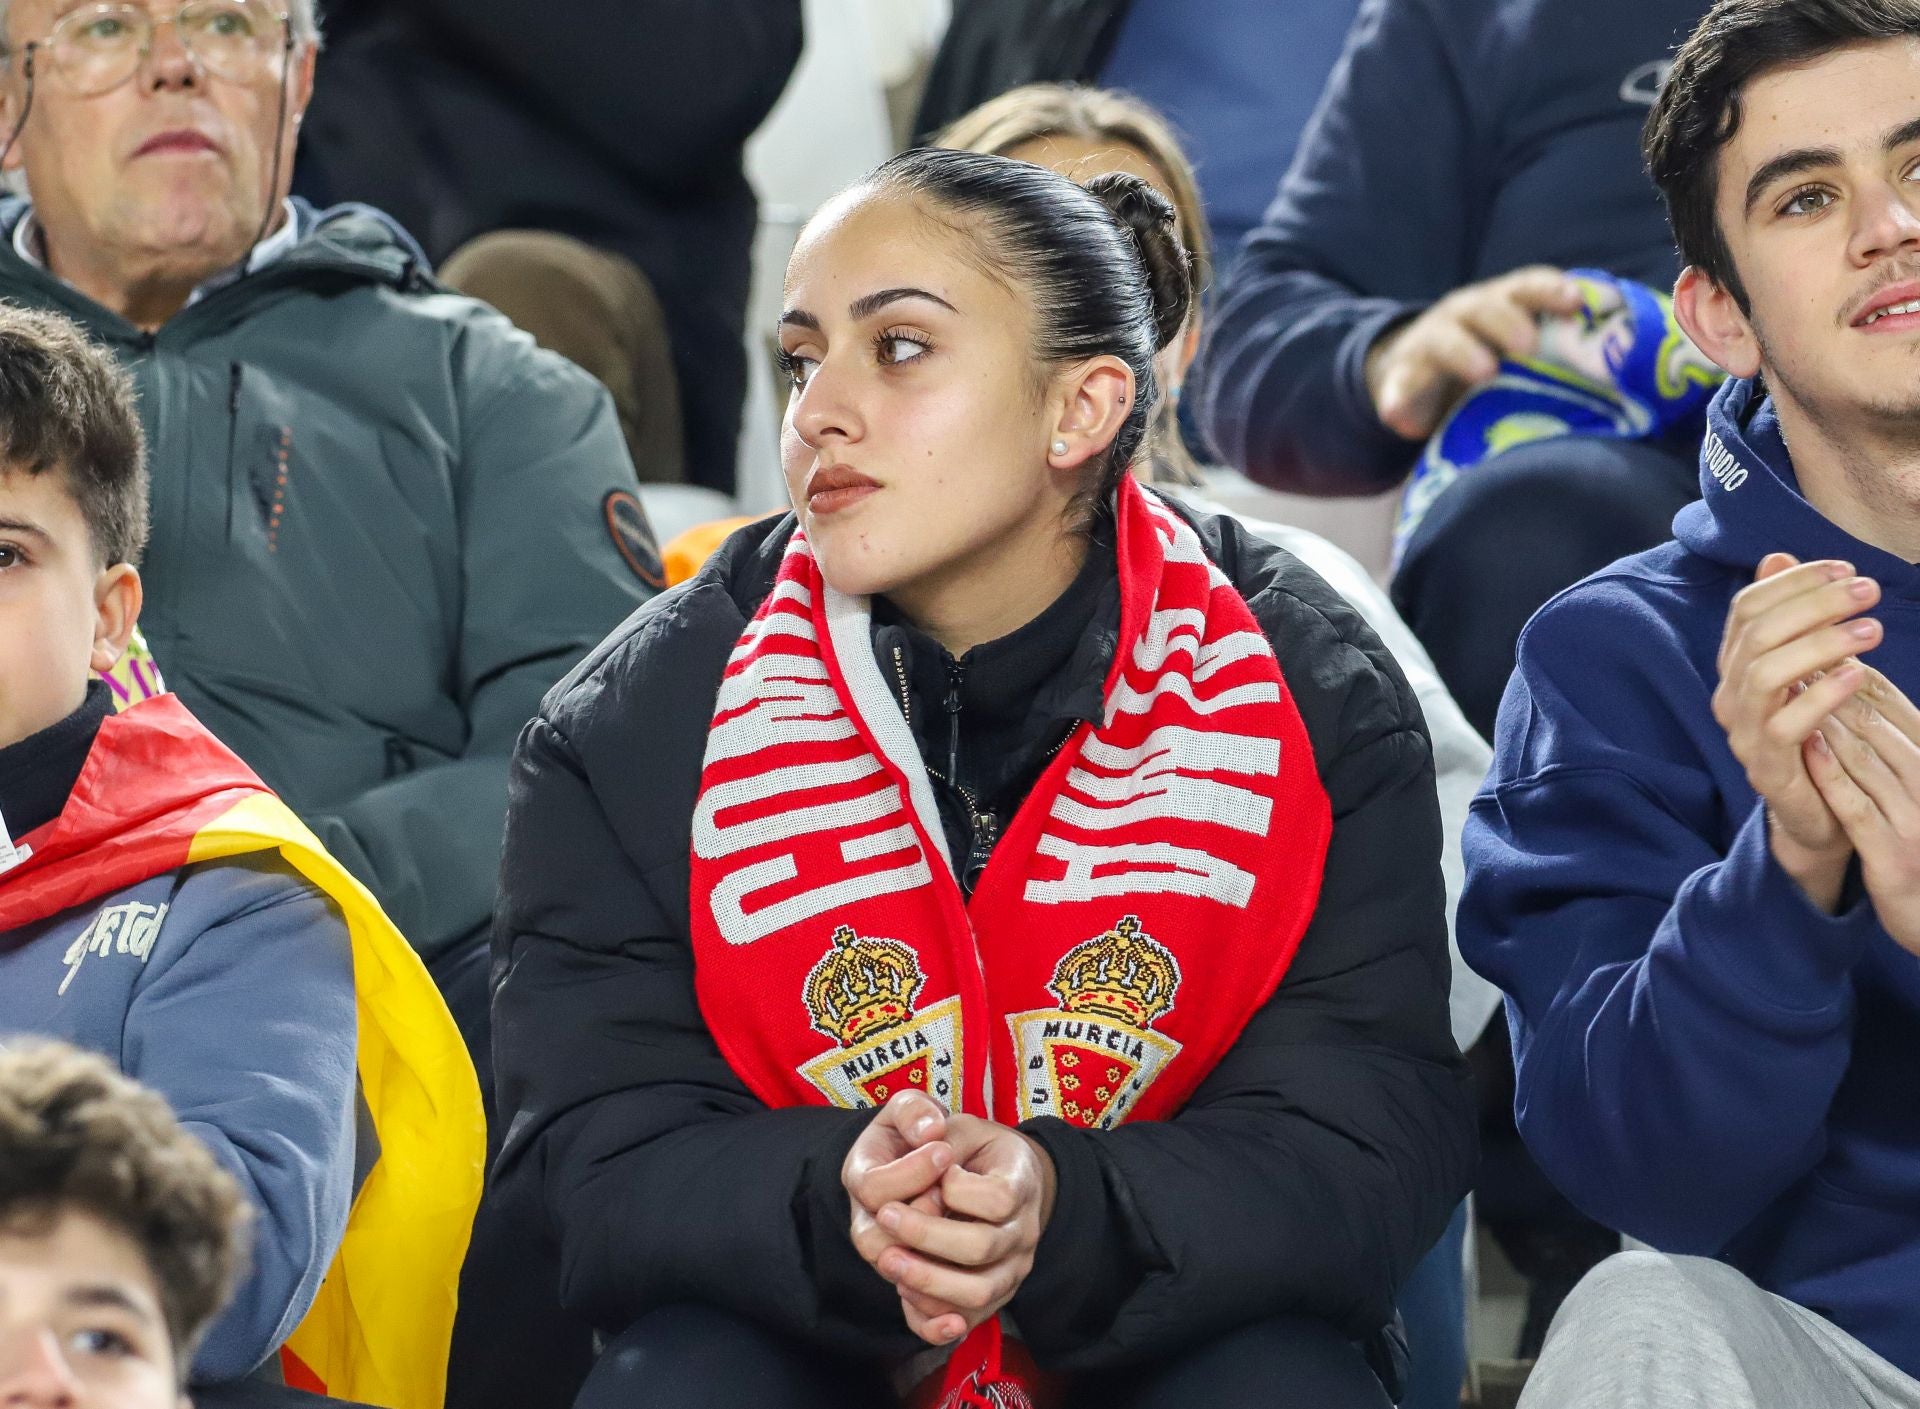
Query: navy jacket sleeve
244, 1020
1369, 226
1682, 1015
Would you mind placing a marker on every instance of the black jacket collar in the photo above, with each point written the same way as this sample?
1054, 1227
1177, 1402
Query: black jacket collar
1049, 671
988, 723
38, 773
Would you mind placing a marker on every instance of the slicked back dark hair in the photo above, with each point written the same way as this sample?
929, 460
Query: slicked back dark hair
1102, 265
66, 408
77, 1136
1698, 111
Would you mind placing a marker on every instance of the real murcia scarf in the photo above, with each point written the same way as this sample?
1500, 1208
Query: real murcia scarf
1142, 905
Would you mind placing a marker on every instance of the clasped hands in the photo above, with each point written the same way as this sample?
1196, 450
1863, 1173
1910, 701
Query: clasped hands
1830, 744
949, 1209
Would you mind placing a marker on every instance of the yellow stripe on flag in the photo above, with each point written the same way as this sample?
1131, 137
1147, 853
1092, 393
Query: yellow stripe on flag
380, 1327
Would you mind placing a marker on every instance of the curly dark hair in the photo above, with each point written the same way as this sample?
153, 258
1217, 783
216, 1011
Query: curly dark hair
67, 408
76, 1135
1699, 106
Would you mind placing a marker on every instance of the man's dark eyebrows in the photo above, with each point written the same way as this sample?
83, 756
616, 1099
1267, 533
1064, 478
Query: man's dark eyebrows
1906, 132
1808, 158
1788, 164
869, 304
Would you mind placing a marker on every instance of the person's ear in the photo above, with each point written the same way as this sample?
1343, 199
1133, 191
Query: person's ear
306, 55
1714, 320
1089, 407
117, 595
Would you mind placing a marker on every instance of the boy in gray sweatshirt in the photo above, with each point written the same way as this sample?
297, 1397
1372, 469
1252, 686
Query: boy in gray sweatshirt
226, 985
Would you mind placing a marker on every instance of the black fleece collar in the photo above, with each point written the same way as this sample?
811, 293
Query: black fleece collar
1019, 693
38, 773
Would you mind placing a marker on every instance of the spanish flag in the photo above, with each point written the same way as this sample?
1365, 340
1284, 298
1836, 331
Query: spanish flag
159, 792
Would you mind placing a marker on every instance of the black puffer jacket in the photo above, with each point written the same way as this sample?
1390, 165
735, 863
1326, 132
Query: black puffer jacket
1307, 1174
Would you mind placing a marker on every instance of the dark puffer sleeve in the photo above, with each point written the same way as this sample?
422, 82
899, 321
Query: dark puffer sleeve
661, 1177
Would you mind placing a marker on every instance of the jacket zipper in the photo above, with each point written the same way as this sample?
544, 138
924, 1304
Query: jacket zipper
234, 376
974, 818
956, 673
983, 828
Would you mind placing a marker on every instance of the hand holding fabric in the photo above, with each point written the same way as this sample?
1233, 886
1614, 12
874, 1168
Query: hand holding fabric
1786, 664
1865, 760
1418, 372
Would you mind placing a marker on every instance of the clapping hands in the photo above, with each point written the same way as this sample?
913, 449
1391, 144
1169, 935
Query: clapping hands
1829, 742
1787, 661
1865, 760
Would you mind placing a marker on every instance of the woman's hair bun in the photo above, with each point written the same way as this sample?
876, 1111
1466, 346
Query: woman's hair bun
1151, 220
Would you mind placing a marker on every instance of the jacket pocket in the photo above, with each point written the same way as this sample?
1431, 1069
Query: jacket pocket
260, 463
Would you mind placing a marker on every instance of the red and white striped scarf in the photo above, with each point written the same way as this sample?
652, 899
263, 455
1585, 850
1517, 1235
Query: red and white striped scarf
1143, 903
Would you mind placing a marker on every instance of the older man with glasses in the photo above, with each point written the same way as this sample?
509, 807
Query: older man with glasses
384, 521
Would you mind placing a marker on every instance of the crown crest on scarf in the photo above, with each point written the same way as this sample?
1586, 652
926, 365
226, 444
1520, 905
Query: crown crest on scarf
1123, 974
862, 986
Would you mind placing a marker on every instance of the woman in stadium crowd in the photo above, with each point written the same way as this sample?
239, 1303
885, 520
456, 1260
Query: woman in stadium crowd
981, 941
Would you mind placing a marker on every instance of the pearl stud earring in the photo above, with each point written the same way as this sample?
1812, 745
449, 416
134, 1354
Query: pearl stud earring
1059, 447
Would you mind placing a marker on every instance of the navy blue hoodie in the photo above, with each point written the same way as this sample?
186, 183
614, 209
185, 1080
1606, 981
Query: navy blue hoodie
1706, 1061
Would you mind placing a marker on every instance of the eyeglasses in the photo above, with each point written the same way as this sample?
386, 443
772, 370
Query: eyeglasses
99, 47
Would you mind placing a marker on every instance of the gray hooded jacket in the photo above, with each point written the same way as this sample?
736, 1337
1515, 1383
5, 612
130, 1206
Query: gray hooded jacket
384, 523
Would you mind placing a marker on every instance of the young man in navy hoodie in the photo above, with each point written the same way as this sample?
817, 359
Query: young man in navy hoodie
1695, 869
